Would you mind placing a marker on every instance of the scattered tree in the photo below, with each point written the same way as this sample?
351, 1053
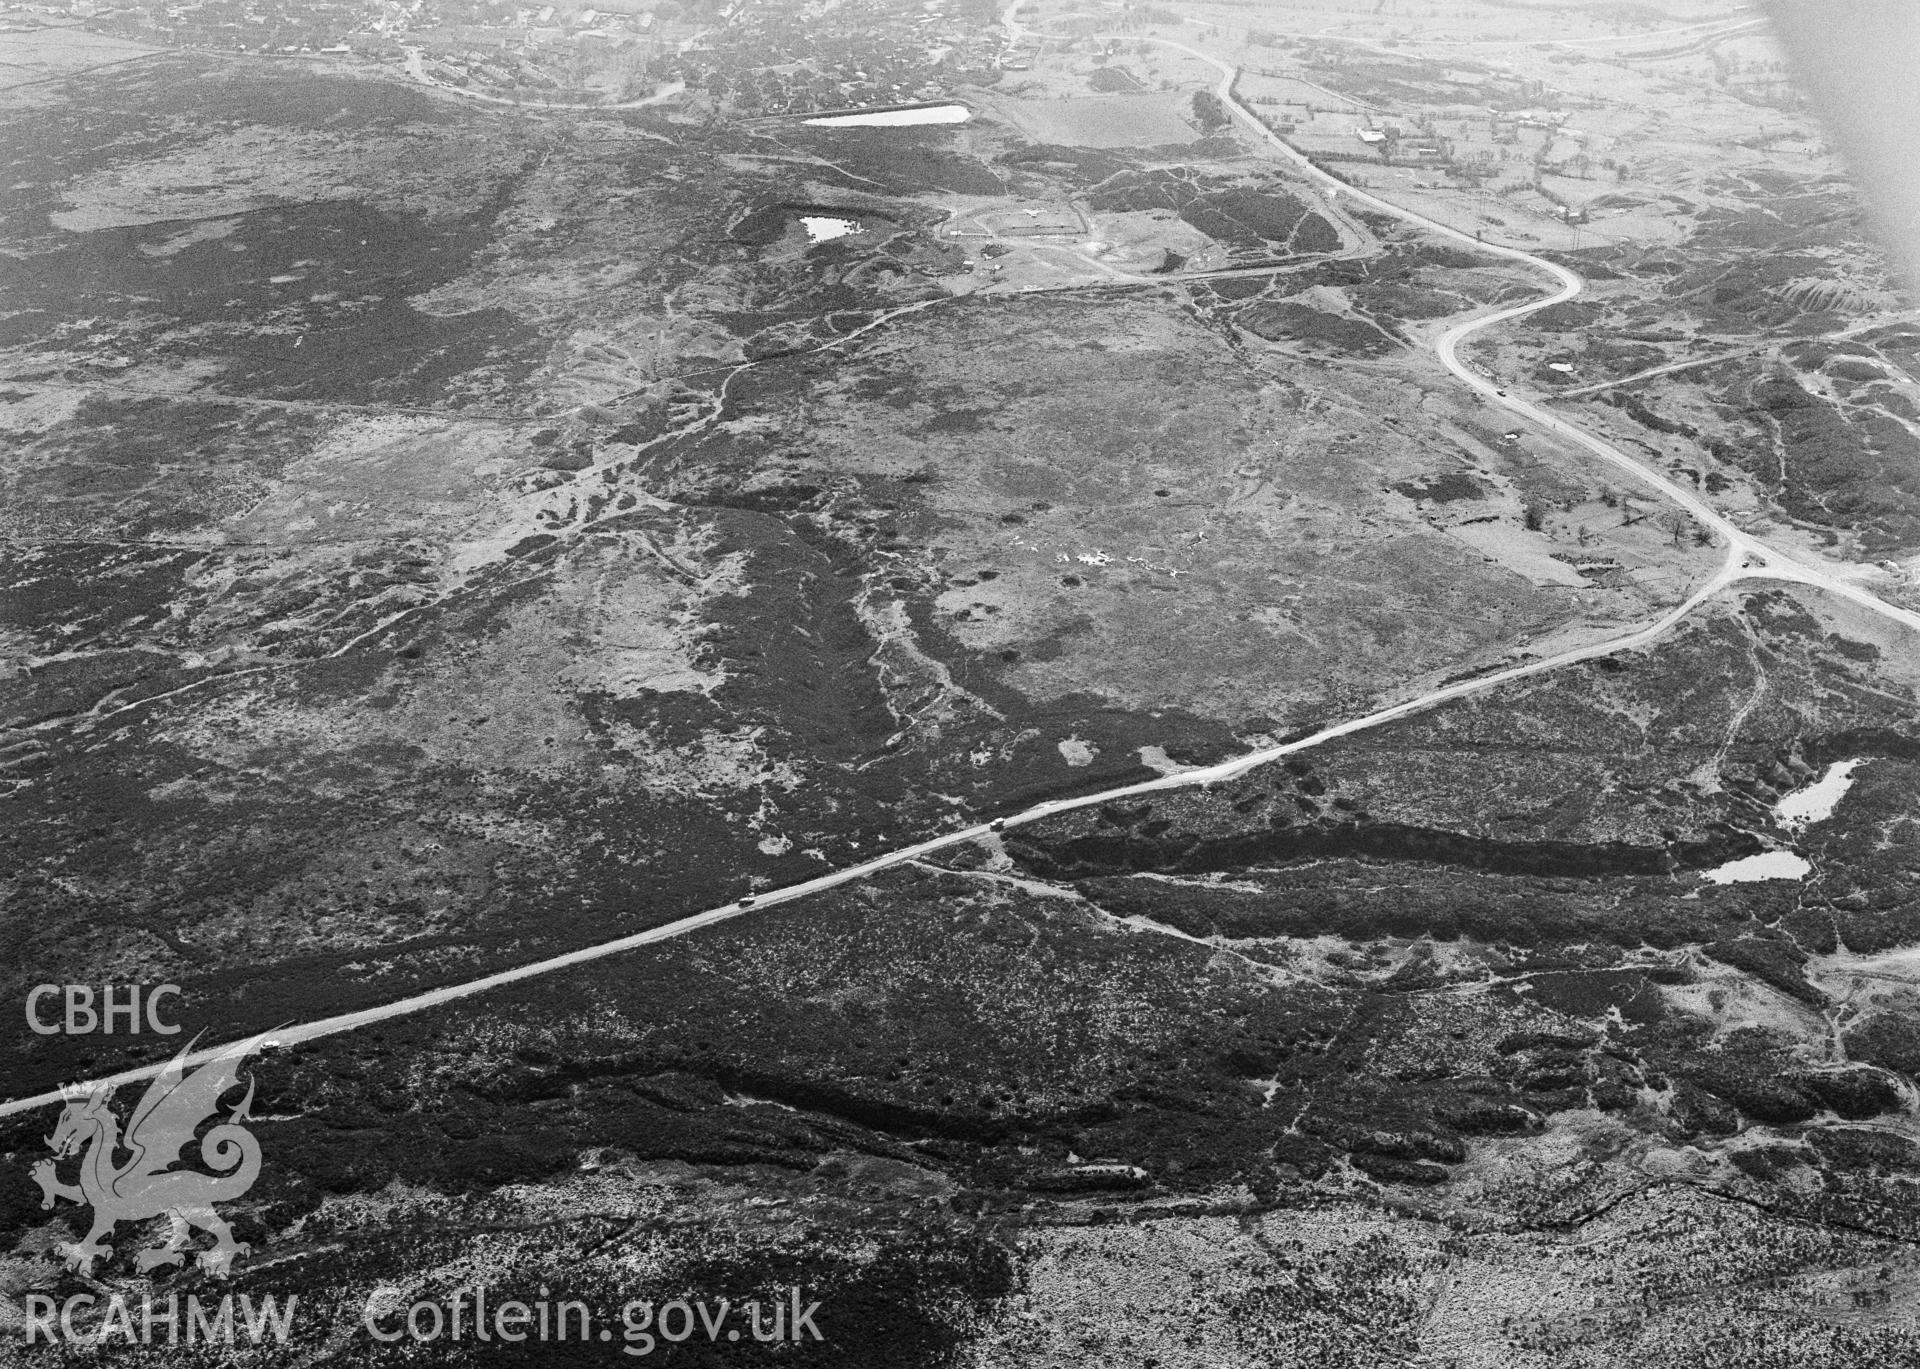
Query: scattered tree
1210, 110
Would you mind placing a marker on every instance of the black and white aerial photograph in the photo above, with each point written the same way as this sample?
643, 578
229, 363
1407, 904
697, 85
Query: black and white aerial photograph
960, 684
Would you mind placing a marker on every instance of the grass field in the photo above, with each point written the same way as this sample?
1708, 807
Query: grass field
30, 57
1103, 121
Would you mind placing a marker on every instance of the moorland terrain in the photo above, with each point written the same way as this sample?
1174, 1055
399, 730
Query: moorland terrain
442, 535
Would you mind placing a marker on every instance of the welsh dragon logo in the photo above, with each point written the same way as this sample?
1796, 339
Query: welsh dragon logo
146, 1185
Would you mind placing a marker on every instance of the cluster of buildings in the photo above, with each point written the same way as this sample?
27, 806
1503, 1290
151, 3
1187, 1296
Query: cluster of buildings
1396, 145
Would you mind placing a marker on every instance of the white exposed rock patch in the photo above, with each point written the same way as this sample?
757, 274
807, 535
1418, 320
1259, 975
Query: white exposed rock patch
1156, 758
1076, 751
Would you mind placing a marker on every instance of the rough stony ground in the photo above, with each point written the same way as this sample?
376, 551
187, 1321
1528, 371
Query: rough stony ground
437, 539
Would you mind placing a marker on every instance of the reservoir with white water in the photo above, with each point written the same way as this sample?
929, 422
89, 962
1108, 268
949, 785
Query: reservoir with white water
1806, 805
894, 118
800, 226
1766, 865
1815, 802
821, 228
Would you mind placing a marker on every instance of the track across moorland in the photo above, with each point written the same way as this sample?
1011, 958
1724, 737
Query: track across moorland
1745, 558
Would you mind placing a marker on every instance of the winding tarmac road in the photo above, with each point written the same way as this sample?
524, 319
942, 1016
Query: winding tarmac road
1746, 558
1204, 777
1758, 559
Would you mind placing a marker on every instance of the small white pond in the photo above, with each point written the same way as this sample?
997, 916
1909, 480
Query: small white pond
1816, 802
1767, 865
896, 118
826, 230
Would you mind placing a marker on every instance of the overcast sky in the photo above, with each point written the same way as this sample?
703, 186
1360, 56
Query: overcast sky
1860, 61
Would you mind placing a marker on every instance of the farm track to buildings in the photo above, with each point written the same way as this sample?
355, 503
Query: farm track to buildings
1654, 372
1733, 354
1745, 558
